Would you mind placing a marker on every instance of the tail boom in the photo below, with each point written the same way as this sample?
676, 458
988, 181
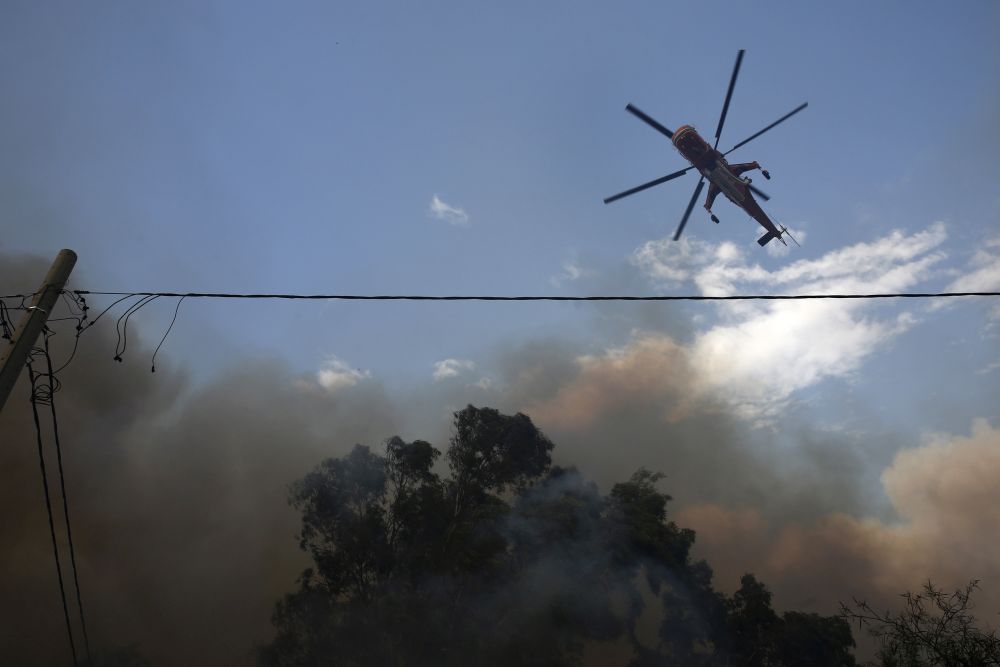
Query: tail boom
775, 234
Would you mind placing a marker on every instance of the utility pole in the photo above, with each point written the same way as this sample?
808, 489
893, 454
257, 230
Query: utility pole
14, 356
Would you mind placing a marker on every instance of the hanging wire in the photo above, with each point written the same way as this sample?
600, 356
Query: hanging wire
75, 303
103, 312
23, 297
79, 311
121, 326
165, 334
6, 325
41, 394
54, 385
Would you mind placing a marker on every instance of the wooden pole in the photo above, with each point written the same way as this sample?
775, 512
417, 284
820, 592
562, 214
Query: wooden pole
14, 356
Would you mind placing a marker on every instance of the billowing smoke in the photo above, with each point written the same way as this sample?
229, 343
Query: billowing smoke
185, 541
183, 536
947, 507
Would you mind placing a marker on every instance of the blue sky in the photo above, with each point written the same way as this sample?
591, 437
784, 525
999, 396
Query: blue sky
251, 147
460, 148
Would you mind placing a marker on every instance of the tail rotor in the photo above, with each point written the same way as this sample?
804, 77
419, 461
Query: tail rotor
785, 232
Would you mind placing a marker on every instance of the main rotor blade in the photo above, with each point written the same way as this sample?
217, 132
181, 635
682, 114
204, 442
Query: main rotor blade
638, 113
687, 213
729, 95
780, 120
645, 186
760, 193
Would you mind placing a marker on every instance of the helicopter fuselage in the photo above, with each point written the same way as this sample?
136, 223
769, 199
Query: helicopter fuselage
714, 167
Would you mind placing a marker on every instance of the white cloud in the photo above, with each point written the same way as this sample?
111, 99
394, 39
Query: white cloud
759, 362
760, 353
485, 383
989, 368
449, 368
983, 271
571, 270
982, 274
669, 262
337, 374
448, 213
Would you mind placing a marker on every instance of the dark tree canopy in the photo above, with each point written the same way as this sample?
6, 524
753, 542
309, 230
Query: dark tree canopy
491, 451
758, 637
504, 559
933, 628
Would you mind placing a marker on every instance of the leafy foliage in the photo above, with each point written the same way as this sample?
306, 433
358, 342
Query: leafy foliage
934, 628
758, 637
507, 560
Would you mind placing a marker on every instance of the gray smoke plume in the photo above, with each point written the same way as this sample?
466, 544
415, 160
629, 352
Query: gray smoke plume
177, 495
184, 538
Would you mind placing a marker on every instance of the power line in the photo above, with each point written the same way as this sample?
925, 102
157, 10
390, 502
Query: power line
44, 386
139, 300
165, 334
421, 297
62, 487
41, 393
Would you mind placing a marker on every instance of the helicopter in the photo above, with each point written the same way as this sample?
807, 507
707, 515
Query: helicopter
712, 165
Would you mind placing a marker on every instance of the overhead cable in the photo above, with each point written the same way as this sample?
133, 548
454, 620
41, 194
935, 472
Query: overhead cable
40, 394
422, 297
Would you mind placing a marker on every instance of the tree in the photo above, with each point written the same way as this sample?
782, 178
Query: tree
753, 624
498, 558
758, 637
811, 640
408, 567
645, 541
933, 628
493, 451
